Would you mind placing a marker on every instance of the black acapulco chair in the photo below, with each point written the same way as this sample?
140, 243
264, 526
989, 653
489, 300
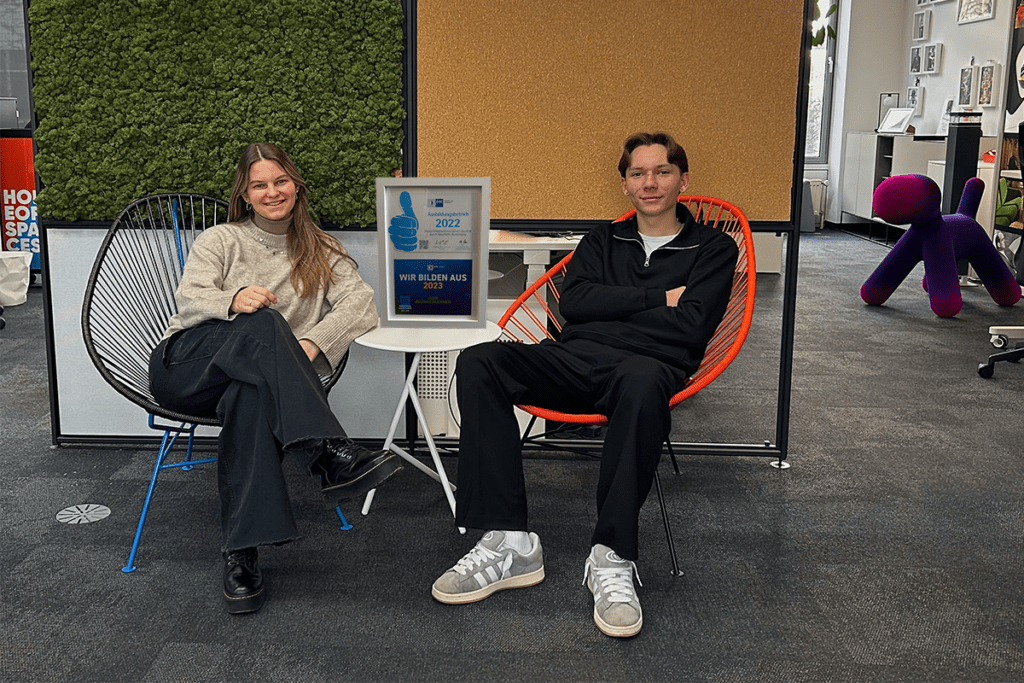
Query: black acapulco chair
129, 300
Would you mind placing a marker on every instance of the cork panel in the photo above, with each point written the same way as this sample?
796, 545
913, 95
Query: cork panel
539, 96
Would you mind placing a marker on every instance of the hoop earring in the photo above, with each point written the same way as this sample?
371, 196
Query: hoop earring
248, 207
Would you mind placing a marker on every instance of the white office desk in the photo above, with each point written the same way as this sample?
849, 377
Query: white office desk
420, 340
536, 250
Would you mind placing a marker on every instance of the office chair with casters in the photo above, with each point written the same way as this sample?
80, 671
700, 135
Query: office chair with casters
532, 317
129, 300
1009, 339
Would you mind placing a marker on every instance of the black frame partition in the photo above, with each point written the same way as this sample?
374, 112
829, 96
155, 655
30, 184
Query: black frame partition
776, 447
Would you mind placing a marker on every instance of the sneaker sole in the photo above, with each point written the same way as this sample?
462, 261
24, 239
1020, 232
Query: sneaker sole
617, 631
521, 581
364, 484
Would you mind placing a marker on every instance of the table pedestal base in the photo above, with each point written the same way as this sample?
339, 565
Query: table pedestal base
438, 474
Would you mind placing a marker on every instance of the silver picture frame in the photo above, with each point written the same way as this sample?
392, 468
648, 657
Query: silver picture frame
969, 11
433, 237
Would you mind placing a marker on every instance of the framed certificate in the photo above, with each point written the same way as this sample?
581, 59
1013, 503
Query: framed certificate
432, 238
896, 121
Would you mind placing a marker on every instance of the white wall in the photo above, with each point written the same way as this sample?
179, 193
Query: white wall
868, 62
873, 56
983, 40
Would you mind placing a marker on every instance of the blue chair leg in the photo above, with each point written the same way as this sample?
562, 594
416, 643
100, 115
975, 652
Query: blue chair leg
188, 465
345, 526
171, 434
169, 438
165, 447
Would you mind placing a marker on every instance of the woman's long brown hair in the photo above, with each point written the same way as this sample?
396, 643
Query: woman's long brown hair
309, 248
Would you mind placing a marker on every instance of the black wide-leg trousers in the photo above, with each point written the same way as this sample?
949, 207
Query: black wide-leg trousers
579, 376
252, 374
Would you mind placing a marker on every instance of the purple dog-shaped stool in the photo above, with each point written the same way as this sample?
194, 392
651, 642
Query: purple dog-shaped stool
939, 241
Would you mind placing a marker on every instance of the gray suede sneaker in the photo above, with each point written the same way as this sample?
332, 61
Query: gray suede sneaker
489, 567
616, 606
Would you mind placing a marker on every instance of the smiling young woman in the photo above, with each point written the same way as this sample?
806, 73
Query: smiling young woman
268, 302
270, 190
310, 248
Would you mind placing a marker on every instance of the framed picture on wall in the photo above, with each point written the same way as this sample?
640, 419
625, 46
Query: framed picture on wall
967, 92
932, 58
916, 59
922, 25
968, 11
988, 84
915, 99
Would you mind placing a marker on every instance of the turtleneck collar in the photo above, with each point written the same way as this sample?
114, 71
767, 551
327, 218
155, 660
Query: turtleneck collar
273, 234
274, 227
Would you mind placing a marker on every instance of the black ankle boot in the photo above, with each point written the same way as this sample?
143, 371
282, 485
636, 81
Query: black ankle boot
347, 470
243, 582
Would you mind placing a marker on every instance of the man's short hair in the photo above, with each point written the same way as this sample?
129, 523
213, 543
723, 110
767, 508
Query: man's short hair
676, 153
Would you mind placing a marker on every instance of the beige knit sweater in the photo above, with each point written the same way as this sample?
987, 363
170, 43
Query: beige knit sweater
231, 256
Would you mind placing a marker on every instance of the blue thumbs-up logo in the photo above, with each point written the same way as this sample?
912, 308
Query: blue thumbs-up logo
403, 227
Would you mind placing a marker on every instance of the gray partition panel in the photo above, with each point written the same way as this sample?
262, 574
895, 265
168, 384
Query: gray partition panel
364, 400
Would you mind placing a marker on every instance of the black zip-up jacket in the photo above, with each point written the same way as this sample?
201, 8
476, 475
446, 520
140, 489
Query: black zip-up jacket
615, 295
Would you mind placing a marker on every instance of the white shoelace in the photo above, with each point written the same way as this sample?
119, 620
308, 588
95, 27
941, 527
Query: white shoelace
477, 556
614, 582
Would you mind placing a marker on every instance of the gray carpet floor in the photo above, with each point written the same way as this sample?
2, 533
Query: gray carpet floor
890, 551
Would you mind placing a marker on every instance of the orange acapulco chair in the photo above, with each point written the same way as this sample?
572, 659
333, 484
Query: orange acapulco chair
531, 318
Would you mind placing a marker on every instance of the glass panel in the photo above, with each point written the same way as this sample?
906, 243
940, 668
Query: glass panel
820, 96
815, 103
14, 81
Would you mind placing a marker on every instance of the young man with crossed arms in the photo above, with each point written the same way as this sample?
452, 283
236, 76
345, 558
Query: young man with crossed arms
641, 299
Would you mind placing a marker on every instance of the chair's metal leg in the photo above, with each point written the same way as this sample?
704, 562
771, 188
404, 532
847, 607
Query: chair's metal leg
676, 571
672, 454
529, 428
188, 456
345, 526
165, 447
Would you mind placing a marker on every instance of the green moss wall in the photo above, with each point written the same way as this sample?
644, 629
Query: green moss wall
162, 95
